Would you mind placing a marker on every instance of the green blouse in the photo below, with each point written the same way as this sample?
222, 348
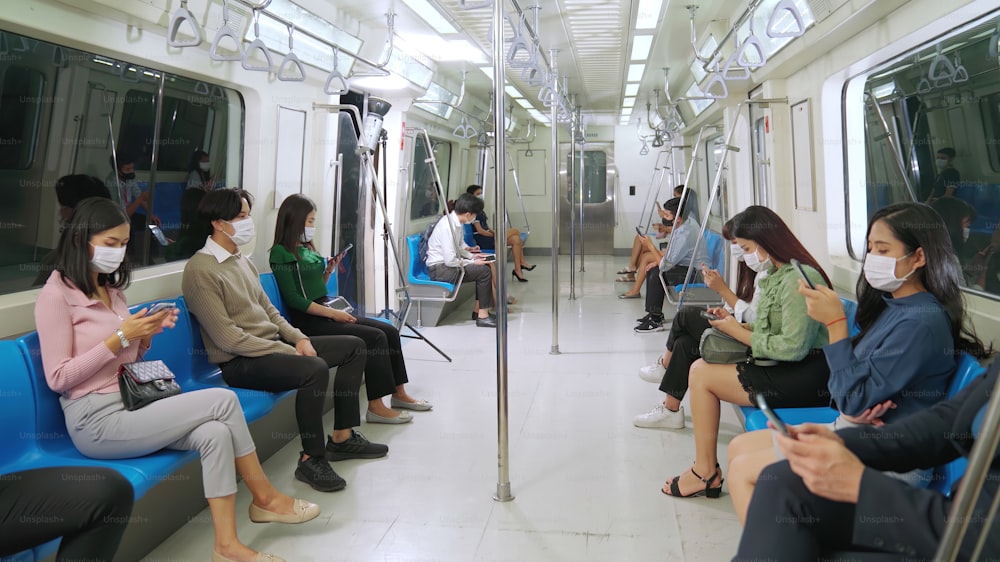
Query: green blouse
288, 270
782, 330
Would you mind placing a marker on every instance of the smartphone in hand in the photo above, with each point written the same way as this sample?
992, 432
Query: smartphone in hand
160, 307
639, 232
802, 272
772, 416
343, 253
709, 316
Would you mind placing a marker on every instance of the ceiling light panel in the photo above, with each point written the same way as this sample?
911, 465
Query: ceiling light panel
641, 44
631, 89
635, 72
524, 103
648, 14
430, 14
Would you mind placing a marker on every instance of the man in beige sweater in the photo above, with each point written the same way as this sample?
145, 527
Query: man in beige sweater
257, 349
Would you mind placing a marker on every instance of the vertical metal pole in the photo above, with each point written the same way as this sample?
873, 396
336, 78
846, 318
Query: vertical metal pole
554, 122
503, 454
582, 179
337, 190
154, 162
571, 186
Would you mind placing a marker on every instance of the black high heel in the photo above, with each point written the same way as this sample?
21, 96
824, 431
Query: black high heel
708, 492
526, 268
521, 279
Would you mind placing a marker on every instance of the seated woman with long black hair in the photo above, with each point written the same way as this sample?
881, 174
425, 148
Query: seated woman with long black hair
787, 363
486, 238
302, 276
909, 305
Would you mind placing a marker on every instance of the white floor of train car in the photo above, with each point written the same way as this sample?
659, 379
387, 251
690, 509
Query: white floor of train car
586, 482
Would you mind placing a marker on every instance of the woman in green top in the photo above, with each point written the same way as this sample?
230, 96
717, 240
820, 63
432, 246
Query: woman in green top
302, 274
787, 365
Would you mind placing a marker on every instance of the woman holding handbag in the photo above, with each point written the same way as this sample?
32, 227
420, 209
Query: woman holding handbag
786, 362
686, 333
302, 277
86, 334
912, 323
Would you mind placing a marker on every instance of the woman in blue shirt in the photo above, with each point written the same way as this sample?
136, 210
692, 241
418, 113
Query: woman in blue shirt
911, 316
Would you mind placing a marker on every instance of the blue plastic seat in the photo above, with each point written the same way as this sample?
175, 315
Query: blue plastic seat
716, 256
468, 234
50, 425
417, 272
946, 476
270, 285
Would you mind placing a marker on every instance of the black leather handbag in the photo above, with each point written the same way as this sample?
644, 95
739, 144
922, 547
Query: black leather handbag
144, 382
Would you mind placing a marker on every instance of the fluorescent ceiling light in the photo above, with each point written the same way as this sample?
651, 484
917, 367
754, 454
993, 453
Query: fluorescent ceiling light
631, 89
430, 14
628, 102
488, 71
512, 92
537, 116
885, 90
640, 46
648, 15
390, 82
635, 72
524, 103
439, 49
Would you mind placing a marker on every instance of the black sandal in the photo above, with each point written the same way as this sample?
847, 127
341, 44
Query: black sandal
708, 492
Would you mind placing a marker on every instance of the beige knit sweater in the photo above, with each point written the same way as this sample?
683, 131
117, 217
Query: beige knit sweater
236, 317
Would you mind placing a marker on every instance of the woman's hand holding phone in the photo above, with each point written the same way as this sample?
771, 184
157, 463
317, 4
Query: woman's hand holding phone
822, 303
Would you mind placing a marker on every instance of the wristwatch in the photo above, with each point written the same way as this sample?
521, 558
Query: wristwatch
121, 336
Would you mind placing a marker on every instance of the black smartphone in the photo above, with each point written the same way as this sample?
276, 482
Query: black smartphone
709, 316
639, 232
772, 416
158, 234
802, 272
488, 257
159, 307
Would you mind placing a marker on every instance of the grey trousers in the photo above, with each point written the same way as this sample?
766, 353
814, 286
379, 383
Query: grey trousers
210, 421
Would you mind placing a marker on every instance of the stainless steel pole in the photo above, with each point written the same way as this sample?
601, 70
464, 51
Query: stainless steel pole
503, 454
581, 144
571, 180
554, 122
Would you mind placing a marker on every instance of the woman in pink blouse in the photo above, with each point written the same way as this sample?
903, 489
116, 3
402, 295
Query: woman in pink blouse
86, 332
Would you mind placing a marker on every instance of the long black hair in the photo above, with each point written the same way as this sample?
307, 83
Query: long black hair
91, 216
744, 275
917, 225
765, 227
291, 223
953, 210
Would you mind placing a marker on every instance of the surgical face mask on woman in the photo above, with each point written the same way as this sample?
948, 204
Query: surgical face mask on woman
754, 262
107, 260
244, 231
308, 233
736, 251
880, 272
204, 166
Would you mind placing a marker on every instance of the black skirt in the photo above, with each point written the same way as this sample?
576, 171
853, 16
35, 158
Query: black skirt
788, 384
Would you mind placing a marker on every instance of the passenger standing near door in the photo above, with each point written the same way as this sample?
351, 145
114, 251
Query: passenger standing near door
125, 191
257, 349
946, 181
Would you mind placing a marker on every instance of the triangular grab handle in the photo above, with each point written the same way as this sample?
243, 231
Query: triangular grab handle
181, 15
335, 79
287, 63
257, 45
751, 43
712, 83
224, 32
732, 70
772, 22
941, 69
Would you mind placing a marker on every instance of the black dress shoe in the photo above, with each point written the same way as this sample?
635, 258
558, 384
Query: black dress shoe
526, 268
519, 278
486, 322
492, 315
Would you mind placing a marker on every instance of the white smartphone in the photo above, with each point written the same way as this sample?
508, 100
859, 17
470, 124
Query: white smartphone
159, 307
158, 234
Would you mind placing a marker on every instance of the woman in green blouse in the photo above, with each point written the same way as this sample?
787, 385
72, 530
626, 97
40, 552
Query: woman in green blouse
787, 365
302, 274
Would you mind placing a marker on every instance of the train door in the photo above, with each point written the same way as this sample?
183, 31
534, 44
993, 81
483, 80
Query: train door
598, 196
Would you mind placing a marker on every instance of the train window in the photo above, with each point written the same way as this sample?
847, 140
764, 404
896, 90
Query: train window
714, 158
442, 156
20, 109
439, 93
425, 201
69, 112
931, 123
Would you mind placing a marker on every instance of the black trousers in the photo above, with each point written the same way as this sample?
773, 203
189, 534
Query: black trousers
278, 372
384, 366
787, 522
89, 507
654, 289
683, 341
482, 275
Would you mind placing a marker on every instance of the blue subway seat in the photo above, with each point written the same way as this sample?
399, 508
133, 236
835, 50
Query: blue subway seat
270, 285
417, 272
470, 239
946, 476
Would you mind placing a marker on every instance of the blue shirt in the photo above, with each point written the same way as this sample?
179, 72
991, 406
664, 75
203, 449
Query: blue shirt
681, 248
907, 356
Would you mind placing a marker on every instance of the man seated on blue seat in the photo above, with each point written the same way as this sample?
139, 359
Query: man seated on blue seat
674, 264
448, 254
831, 494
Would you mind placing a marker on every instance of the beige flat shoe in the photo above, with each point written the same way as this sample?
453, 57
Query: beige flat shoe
261, 557
419, 405
303, 511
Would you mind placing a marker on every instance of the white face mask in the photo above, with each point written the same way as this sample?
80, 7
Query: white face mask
244, 231
965, 234
107, 260
204, 166
308, 233
941, 163
754, 262
880, 272
736, 251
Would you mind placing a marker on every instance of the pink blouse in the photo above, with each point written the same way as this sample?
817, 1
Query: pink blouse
72, 328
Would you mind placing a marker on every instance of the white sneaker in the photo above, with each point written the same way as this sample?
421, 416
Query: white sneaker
654, 372
660, 418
